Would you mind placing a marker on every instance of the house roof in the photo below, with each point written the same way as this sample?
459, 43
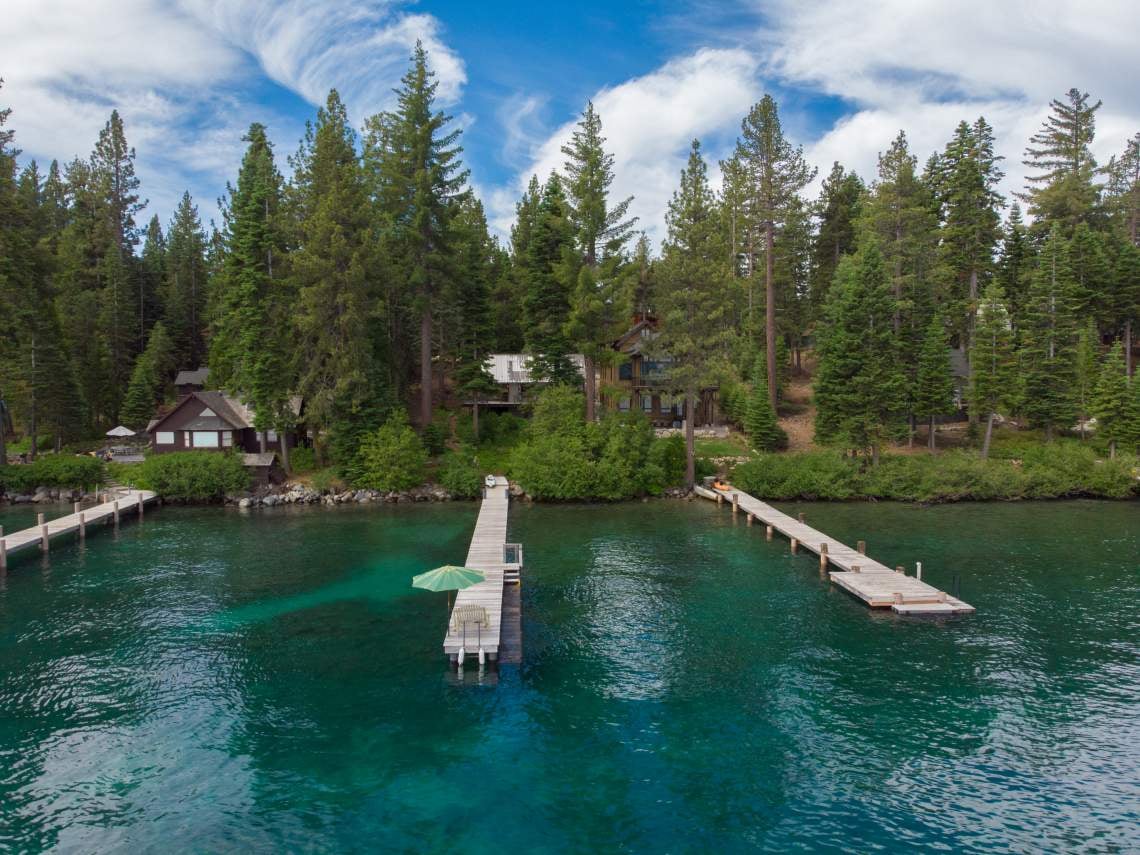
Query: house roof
515, 367
219, 412
258, 459
631, 340
197, 377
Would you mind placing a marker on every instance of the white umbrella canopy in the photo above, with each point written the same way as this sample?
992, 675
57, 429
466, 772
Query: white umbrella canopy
120, 431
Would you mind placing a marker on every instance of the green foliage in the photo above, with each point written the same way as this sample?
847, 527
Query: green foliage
391, 458
193, 476
52, 470
934, 386
1110, 400
764, 432
302, 459
1053, 471
435, 434
459, 473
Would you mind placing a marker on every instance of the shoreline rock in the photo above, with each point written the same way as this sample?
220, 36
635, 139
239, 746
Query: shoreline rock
293, 493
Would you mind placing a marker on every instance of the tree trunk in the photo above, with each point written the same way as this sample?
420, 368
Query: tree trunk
261, 441
1048, 433
591, 387
1128, 348
475, 419
971, 415
1112, 449
989, 434
33, 424
930, 441
425, 367
875, 455
770, 310
285, 453
690, 442
911, 429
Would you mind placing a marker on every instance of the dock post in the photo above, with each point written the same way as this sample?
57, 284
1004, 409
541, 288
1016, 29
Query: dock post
115, 511
39, 519
140, 507
3, 554
735, 503
768, 533
751, 519
795, 545
719, 499
918, 570
900, 569
854, 568
822, 557
82, 526
45, 543
862, 547
802, 516
75, 508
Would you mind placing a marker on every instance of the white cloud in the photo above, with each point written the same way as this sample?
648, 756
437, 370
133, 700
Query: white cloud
311, 46
649, 123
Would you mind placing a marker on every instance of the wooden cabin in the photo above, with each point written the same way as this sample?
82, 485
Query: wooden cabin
639, 379
516, 382
191, 381
215, 421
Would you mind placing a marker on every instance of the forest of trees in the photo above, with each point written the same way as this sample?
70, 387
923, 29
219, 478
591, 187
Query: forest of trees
360, 273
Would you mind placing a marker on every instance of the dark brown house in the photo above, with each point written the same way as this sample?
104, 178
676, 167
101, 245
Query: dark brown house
214, 421
639, 381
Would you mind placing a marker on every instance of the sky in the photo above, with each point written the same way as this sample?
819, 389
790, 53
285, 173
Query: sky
189, 76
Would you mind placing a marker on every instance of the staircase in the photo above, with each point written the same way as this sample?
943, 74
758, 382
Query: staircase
512, 563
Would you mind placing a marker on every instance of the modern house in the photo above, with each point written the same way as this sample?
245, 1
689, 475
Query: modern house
215, 421
641, 381
191, 381
512, 373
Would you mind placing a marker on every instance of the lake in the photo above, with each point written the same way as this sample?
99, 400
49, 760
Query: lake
214, 680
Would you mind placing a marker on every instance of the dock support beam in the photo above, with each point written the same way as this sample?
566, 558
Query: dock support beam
75, 507
795, 546
3, 551
751, 519
735, 504
45, 541
141, 505
116, 512
82, 526
862, 547
768, 533
822, 557
802, 517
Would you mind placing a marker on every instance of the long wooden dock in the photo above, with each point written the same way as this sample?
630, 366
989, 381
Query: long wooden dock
874, 583
109, 511
487, 553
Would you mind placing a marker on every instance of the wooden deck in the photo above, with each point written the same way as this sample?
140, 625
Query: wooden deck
117, 505
874, 583
486, 554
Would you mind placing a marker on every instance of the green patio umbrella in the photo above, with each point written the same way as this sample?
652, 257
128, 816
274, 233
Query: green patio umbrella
448, 578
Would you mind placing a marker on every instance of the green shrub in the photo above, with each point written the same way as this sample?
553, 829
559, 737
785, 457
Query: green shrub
391, 458
434, 436
53, 470
459, 474
327, 480
668, 455
816, 475
193, 476
554, 467
302, 459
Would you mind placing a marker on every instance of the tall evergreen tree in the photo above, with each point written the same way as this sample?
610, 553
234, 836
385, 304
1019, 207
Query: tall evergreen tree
691, 286
1015, 263
601, 232
992, 358
934, 387
1087, 363
778, 172
1049, 341
1063, 189
329, 269
550, 256
184, 292
860, 386
838, 210
1110, 400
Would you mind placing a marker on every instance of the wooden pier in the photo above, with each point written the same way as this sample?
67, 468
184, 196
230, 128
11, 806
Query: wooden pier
110, 510
500, 637
874, 583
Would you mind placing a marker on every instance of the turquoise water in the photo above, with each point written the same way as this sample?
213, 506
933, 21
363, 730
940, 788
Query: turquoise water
218, 681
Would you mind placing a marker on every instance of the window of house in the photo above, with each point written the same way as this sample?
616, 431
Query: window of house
227, 439
647, 403
625, 371
205, 439
666, 404
623, 404
271, 436
164, 437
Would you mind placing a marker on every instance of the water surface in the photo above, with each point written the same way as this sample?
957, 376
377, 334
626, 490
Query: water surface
213, 680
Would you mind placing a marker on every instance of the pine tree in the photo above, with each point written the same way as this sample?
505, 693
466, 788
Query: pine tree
860, 386
1063, 190
1123, 189
1015, 263
838, 210
992, 358
184, 292
1110, 404
138, 404
760, 423
1125, 298
550, 255
601, 233
934, 387
251, 344
1092, 272
1049, 339
151, 278
425, 178
778, 173
329, 270
693, 276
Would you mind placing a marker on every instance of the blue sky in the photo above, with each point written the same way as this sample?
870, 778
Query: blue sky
190, 75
